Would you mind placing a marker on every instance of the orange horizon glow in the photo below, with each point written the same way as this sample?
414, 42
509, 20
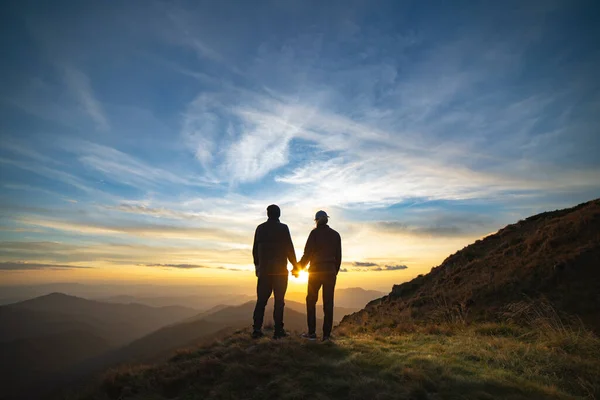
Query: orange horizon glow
181, 265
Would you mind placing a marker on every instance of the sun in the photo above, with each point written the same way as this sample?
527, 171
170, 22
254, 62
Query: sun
302, 277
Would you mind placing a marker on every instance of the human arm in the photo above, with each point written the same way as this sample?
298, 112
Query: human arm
291, 253
338, 254
308, 251
255, 252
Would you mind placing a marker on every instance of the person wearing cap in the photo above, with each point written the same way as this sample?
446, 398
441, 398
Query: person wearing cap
323, 251
271, 251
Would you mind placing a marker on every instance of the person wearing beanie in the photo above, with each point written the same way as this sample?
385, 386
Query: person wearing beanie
323, 251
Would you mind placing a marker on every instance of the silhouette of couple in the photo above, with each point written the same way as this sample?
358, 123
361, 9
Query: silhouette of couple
273, 248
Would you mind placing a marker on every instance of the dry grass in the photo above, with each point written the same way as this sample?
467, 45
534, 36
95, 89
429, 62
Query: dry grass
540, 315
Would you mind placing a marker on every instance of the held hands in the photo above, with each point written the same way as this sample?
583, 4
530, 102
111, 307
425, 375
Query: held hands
296, 270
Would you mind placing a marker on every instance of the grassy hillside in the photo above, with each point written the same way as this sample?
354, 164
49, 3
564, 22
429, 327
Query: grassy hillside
553, 255
416, 362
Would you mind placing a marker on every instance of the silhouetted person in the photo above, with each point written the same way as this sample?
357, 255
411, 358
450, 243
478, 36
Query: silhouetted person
323, 251
272, 249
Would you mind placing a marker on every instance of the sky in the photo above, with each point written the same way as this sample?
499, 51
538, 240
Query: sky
141, 141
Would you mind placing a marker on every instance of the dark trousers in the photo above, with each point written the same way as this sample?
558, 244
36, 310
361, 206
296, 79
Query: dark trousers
315, 281
267, 284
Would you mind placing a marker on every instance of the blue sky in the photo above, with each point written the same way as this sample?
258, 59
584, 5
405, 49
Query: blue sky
144, 132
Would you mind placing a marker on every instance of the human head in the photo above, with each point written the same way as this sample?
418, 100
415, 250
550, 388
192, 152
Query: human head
321, 217
273, 211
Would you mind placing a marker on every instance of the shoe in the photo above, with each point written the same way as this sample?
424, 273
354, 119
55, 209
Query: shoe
280, 333
309, 336
326, 339
257, 334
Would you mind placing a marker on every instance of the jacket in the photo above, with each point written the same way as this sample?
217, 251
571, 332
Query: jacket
272, 248
323, 250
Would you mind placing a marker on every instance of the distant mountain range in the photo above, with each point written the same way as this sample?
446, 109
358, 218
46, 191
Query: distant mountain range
353, 298
202, 298
52, 333
197, 296
199, 302
116, 323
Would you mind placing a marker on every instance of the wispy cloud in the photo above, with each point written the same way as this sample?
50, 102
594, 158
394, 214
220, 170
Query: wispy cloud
187, 32
355, 162
80, 86
161, 212
393, 267
137, 229
254, 145
113, 253
124, 168
25, 266
27, 151
201, 127
192, 266
52, 173
432, 225
366, 266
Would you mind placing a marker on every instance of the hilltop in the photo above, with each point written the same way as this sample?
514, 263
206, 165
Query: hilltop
550, 257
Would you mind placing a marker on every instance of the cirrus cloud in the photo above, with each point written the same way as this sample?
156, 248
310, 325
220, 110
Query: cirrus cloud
192, 266
26, 266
